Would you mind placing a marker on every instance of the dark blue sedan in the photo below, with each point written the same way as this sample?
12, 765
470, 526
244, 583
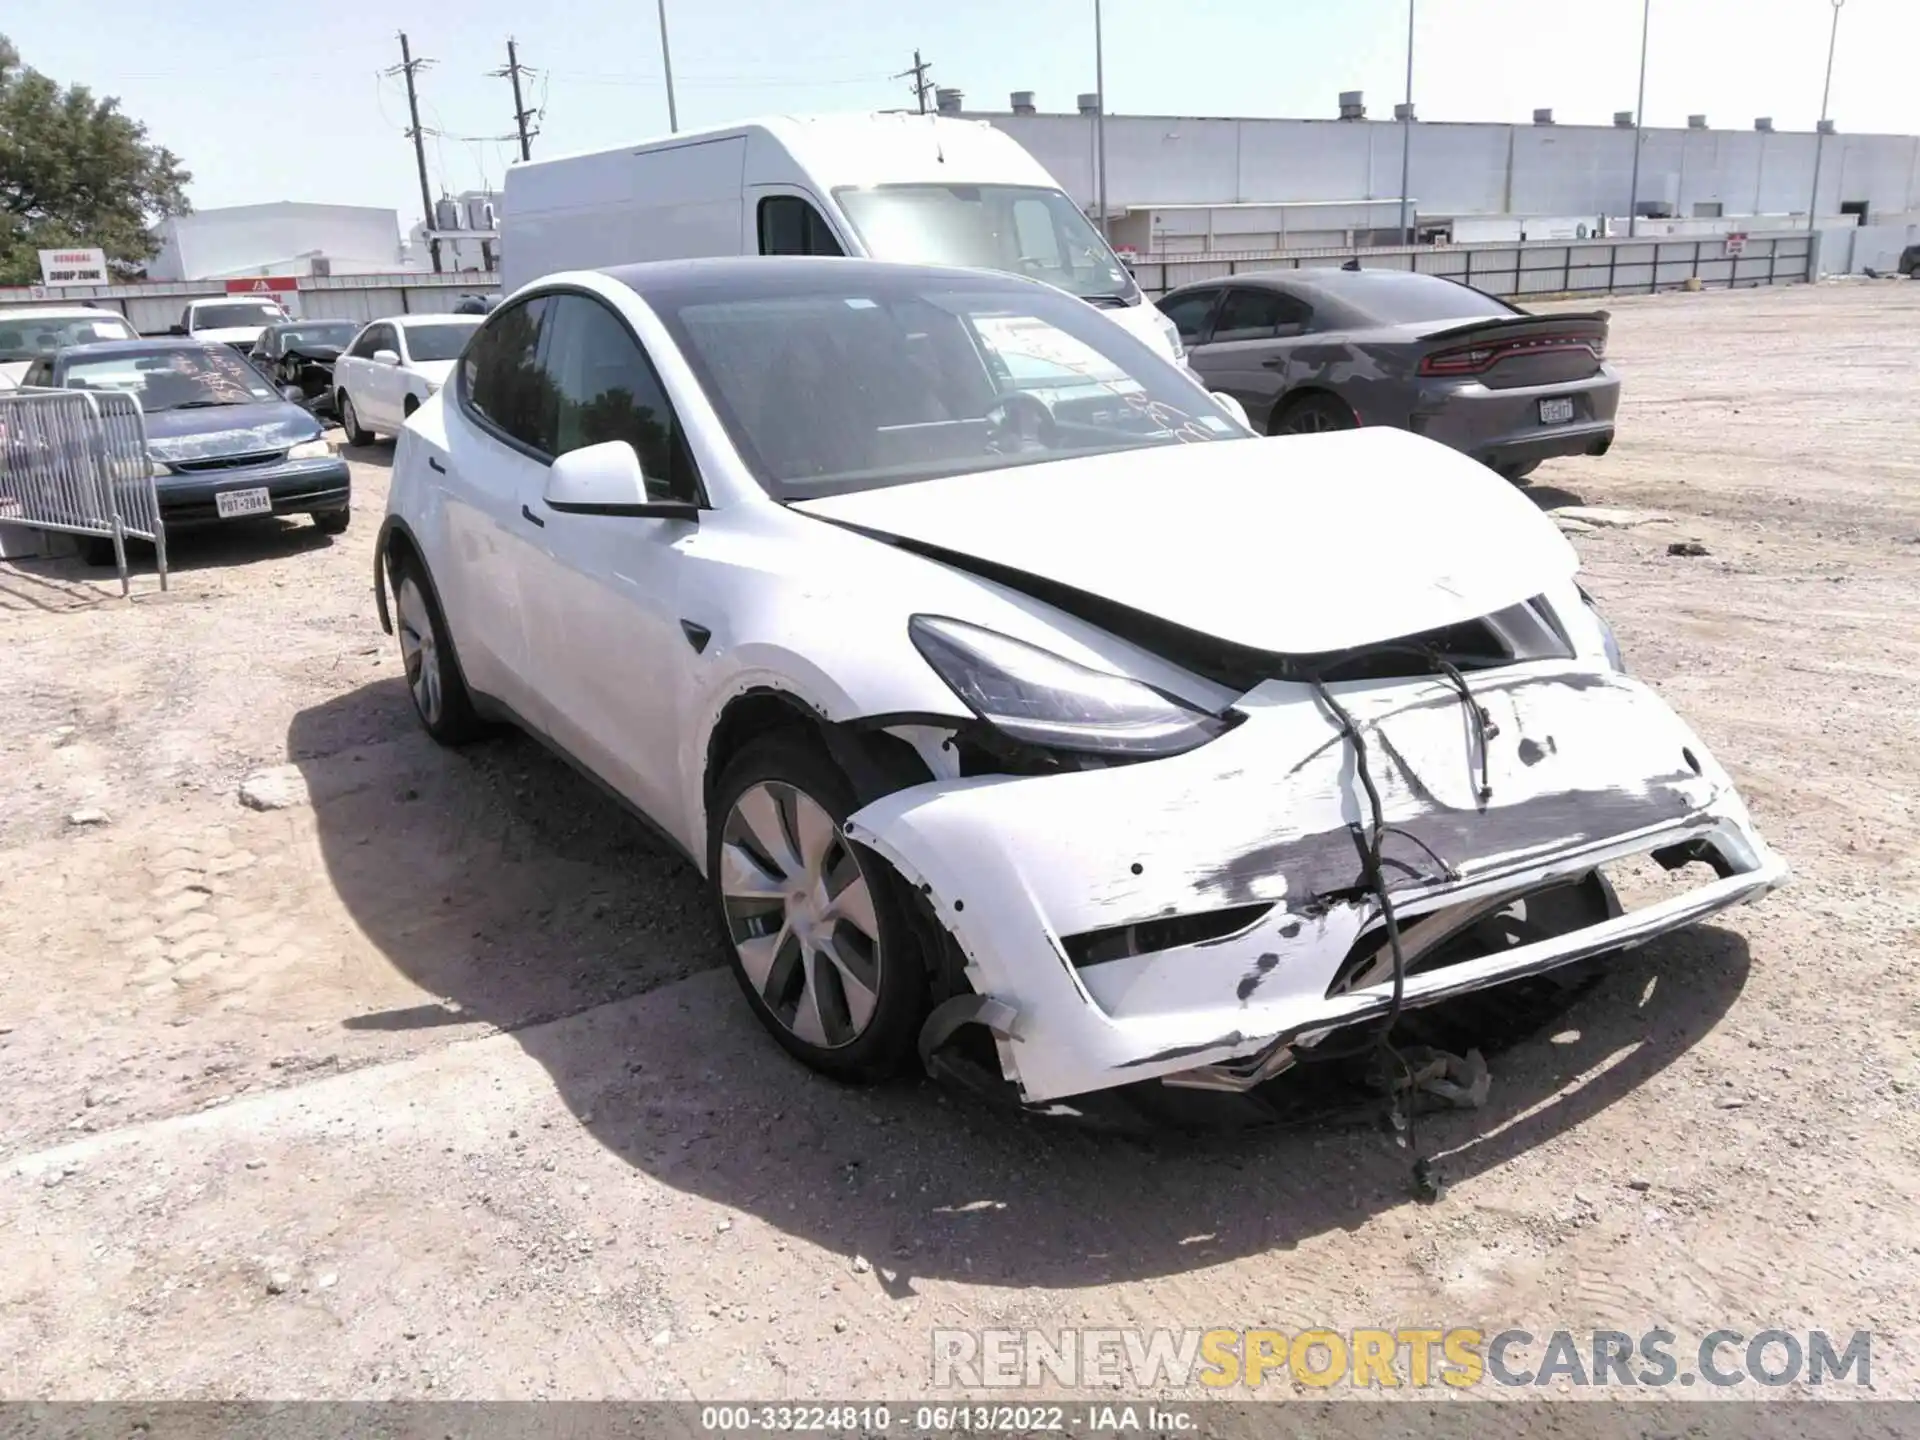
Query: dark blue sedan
224, 444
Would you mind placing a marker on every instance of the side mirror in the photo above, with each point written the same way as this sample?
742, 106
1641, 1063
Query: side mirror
1232, 406
606, 479
1289, 331
176, 330
386, 357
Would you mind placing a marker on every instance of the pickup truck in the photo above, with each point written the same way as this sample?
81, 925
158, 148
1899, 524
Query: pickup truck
228, 322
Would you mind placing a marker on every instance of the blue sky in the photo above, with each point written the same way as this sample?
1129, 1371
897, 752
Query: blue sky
284, 101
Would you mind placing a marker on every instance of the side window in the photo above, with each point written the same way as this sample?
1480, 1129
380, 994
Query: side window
608, 390
790, 226
368, 342
1189, 313
502, 380
384, 338
1260, 315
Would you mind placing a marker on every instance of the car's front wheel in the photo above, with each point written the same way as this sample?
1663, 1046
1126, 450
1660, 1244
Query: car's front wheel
1313, 414
350, 422
432, 668
817, 938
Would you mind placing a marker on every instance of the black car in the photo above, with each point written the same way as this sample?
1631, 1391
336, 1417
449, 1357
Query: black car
223, 445
299, 355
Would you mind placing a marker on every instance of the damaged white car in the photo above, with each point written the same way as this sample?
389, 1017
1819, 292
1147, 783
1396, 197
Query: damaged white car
1011, 695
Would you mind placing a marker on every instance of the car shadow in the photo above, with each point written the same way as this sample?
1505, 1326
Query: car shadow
1551, 497
379, 454
498, 880
234, 542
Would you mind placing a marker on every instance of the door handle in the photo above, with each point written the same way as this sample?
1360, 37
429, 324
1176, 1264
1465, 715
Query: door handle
434, 464
1274, 362
533, 517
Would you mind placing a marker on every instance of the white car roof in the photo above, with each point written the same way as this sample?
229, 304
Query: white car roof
57, 312
406, 322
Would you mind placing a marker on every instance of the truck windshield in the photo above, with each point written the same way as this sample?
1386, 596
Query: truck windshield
1022, 229
233, 317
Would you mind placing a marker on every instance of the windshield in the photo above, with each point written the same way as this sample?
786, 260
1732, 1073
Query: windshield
1021, 229
438, 342
334, 334
177, 379
33, 338
852, 385
235, 317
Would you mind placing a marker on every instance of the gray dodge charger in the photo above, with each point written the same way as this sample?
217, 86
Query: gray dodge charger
1329, 349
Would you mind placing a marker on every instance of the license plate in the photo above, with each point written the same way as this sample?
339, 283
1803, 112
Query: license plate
231, 504
1556, 412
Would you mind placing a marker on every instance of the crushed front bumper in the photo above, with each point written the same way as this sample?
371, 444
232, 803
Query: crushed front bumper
1258, 827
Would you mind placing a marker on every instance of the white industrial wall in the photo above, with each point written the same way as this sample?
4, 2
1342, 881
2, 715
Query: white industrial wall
1467, 169
273, 239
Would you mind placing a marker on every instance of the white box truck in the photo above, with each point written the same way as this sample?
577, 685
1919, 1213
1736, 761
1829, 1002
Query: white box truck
922, 188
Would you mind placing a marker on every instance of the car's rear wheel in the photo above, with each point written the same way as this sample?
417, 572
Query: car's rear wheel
432, 667
1313, 414
333, 522
350, 422
814, 930
1517, 473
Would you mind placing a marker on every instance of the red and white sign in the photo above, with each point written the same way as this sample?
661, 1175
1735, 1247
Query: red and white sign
74, 267
1736, 242
276, 287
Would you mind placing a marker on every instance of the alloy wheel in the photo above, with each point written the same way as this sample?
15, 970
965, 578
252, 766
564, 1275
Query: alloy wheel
799, 908
420, 651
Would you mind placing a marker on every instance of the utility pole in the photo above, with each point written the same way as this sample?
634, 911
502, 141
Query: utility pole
407, 66
1100, 122
1820, 134
666, 63
922, 85
1406, 135
1639, 125
521, 114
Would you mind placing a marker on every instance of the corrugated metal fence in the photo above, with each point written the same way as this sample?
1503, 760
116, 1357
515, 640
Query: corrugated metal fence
1523, 269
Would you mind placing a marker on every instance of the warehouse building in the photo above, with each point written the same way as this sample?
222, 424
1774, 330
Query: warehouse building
282, 238
1187, 183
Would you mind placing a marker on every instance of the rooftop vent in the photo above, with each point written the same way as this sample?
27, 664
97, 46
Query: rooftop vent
1827, 127
948, 100
1764, 124
1543, 117
1696, 122
1623, 119
1089, 103
1404, 112
1023, 102
1353, 105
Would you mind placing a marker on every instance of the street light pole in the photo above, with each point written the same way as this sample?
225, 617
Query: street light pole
666, 62
1406, 134
1639, 124
1100, 122
1820, 133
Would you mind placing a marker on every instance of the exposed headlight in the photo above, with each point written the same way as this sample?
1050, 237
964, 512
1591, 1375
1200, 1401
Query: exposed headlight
433, 387
1172, 332
310, 450
160, 467
1035, 696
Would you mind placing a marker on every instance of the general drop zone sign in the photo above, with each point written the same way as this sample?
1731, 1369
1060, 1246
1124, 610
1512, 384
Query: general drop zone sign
74, 267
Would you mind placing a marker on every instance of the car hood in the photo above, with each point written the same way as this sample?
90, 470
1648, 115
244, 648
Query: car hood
227, 430
434, 372
1299, 545
325, 354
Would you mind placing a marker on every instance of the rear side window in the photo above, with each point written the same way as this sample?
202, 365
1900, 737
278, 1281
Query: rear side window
502, 381
1259, 315
790, 226
1406, 299
606, 389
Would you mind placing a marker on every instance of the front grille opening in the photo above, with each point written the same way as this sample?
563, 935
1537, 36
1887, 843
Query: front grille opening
1121, 942
228, 462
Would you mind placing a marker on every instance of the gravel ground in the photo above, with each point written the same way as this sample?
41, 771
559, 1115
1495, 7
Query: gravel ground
427, 1085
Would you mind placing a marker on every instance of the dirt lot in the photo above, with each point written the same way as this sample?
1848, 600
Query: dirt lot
429, 1085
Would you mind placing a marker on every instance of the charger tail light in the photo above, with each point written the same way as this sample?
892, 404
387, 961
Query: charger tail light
1476, 359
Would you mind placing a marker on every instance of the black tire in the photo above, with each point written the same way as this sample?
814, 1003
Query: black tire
1313, 414
350, 422
887, 1045
333, 522
448, 716
1517, 473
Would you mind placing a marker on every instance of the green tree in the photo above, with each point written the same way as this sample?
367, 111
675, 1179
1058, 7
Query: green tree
75, 171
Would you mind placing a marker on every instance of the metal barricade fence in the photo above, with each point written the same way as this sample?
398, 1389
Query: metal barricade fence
76, 461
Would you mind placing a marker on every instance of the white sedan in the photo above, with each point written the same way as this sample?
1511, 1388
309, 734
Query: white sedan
392, 368
1022, 709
